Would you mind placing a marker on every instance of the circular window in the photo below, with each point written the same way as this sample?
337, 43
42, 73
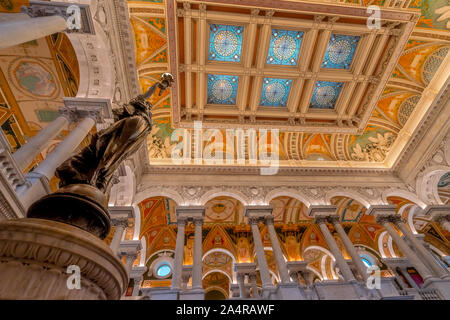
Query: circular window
366, 262
163, 270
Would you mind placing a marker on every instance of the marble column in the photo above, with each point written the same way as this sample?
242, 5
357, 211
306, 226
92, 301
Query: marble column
179, 253
252, 278
385, 220
197, 268
241, 282
121, 225
349, 247
17, 31
131, 257
420, 249
137, 286
29, 151
260, 254
65, 149
278, 254
331, 242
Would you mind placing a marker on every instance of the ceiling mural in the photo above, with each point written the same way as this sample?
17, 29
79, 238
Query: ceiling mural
34, 77
422, 56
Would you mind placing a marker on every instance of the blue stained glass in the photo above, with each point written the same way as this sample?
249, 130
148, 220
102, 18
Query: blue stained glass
284, 47
164, 270
275, 92
326, 94
222, 89
225, 42
366, 262
340, 51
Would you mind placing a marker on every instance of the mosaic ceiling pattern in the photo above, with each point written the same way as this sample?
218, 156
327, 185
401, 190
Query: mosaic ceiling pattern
419, 62
225, 42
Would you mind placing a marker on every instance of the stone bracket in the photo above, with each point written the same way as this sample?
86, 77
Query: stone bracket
76, 108
44, 9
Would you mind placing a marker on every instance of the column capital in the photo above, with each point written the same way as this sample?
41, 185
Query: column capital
130, 247
334, 219
96, 108
324, 210
44, 9
260, 212
382, 209
319, 219
190, 212
383, 217
121, 212
198, 221
244, 268
182, 220
269, 220
438, 213
120, 222
253, 220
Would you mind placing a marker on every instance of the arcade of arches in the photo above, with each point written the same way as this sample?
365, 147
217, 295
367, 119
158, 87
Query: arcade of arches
354, 121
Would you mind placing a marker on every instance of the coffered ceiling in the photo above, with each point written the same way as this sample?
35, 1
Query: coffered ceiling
340, 94
301, 70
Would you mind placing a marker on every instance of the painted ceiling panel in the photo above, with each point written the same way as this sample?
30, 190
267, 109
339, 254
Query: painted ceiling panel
275, 92
222, 89
326, 94
340, 51
225, 42
284, 47
416, 67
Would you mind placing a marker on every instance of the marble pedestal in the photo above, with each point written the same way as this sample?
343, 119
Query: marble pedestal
289, 291
193, 294
35, 255
337, 290
160, 293
440, 285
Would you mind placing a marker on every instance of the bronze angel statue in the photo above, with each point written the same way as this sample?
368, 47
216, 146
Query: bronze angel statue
96, 163
82, 199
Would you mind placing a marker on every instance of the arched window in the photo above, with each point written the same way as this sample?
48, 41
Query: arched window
163, 270
367, 260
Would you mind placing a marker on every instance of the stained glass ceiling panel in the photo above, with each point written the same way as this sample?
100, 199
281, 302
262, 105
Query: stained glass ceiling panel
275, 92
225, 42
340, 51
284, 47
222, 89
325, 94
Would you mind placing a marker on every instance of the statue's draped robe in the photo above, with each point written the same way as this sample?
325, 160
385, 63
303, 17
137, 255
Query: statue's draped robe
96, 163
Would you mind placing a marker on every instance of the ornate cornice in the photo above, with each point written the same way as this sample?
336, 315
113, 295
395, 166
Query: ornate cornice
418, 137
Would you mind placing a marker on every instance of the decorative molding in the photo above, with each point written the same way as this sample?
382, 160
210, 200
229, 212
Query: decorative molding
45, 8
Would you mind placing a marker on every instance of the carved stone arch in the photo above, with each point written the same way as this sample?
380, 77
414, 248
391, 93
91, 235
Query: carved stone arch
347, 193
288, 193
158, 192
217, 288
393, 192
389, 252
214, 193
427, 184
219, 271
